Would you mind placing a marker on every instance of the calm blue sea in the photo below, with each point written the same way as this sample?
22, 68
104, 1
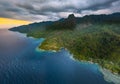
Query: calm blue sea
21, 63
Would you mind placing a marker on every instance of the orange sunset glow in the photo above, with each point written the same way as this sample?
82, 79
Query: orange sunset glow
8, 23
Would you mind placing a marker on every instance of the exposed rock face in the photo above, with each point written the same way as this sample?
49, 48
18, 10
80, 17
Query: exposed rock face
71, 16
71, 21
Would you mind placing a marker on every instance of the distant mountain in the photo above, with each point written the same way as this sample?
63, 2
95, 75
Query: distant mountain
111, 18
70, 22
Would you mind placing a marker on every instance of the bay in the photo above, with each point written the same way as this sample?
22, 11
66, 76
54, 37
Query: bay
22, 63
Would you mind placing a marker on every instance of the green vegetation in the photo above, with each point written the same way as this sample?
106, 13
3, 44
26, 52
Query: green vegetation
88, 41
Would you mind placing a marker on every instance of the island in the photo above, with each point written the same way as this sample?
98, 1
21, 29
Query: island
94, 38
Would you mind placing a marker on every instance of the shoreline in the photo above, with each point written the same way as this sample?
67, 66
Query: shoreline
110, 77
107, 74
42, 50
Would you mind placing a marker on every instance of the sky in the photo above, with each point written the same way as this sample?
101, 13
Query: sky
21, 12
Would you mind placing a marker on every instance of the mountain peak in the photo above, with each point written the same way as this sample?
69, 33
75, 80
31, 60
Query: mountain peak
71, 16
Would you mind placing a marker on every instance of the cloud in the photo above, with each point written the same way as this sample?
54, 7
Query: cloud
42, 10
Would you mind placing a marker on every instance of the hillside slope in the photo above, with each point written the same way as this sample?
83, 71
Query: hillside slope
93, 38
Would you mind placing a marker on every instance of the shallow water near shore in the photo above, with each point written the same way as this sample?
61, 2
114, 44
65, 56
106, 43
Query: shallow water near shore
21, 63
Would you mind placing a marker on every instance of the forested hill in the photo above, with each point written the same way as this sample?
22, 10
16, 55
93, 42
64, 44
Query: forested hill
71, 22
93, 38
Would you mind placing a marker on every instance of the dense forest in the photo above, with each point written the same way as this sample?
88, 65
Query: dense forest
93, 38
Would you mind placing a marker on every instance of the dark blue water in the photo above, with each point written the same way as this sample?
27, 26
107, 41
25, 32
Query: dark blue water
21, 63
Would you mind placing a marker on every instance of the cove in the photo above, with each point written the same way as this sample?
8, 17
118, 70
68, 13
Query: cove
21, 63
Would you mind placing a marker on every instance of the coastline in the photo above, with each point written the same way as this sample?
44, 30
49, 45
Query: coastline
43, 50
109, 76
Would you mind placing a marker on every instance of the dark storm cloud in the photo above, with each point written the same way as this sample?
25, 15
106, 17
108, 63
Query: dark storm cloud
101, 5
38, 10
